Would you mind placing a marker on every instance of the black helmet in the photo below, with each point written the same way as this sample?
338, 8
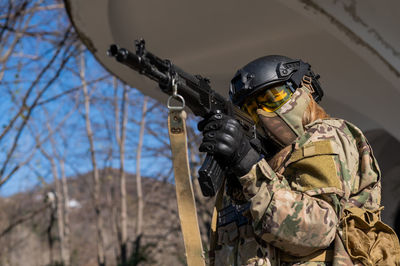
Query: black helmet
269, 70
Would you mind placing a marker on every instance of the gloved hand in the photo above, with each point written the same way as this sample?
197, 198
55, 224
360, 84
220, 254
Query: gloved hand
224, 137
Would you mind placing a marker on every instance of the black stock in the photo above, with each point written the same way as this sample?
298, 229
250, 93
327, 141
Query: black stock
199, 97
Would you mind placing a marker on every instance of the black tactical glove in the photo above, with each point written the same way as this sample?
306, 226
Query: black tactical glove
224, 137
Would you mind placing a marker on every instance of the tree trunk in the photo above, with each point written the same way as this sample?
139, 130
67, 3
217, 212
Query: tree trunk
57, 206
51, 199
67, 244
120, 130
59, 209
96, 179
139, 224
114, 219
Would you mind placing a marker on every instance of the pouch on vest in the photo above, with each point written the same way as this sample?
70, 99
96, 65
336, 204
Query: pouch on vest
230, 220
369, 240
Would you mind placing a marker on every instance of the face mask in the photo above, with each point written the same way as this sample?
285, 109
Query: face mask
285, 124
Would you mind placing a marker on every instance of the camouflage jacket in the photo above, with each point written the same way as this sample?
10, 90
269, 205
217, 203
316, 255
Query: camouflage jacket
295, 208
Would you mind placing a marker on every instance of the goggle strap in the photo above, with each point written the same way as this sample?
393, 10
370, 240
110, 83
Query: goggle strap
307, 82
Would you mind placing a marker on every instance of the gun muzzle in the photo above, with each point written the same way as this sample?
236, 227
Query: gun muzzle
113, 50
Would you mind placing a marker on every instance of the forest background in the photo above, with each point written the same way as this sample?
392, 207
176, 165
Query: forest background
85, 167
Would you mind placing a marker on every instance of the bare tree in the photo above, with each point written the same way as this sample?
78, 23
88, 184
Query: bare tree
95, 174
50, 199
120, 133
15, 27
66, 232
61, 190
58, 205
139, 224
31, 86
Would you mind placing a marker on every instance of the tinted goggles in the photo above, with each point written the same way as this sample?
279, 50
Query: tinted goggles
270, 100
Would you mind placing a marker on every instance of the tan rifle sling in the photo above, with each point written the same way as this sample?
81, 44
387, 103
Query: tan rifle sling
184, 188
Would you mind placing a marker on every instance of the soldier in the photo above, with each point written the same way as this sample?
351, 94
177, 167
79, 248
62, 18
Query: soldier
304, 204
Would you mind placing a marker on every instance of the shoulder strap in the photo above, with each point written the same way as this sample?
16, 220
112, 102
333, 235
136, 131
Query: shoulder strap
184, 189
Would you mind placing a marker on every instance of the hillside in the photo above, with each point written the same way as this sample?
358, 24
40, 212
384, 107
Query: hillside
28, 243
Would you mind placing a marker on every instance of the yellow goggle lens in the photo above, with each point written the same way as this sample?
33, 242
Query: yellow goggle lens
269, 100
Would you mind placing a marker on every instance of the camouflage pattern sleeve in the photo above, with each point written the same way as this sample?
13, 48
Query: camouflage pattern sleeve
299, 211
290, 220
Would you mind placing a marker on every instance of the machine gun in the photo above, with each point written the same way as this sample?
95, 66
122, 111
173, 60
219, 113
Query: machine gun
196, 93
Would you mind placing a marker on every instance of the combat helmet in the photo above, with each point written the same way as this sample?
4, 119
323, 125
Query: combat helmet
269, 70
275, 91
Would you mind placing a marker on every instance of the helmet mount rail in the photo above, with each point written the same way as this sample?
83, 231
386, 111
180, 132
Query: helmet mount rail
302, 71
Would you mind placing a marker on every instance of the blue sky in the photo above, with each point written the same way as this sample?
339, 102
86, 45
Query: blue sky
28, 59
